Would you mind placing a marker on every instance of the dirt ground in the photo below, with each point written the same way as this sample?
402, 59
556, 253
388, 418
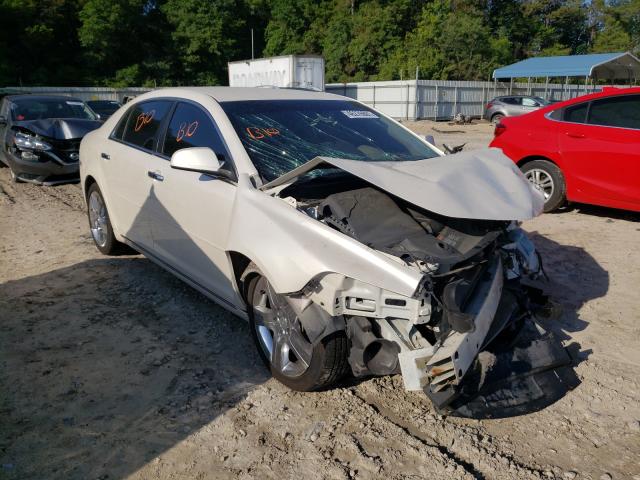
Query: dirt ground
110, 368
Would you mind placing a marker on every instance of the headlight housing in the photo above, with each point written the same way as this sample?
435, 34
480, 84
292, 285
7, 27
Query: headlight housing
24, 141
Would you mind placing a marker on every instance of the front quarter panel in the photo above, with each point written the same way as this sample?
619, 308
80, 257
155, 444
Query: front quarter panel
291, 248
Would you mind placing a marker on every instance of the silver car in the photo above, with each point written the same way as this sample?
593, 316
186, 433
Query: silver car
512, 106
349, 243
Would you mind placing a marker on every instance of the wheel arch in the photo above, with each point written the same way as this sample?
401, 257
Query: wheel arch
239, 263
499, 112
88, 181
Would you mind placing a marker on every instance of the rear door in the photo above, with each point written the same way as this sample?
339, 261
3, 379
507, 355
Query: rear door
602, 148
513, 106
190, 211
126, 165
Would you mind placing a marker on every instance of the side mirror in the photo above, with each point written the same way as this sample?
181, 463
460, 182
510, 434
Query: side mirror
200, 159
98, 116
430, 139
3, 120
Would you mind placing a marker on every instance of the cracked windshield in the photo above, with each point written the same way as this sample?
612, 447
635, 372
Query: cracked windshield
282, 135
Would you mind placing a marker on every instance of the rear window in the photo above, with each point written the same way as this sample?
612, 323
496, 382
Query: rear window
512, 100
576, 113
144, 119
622, 111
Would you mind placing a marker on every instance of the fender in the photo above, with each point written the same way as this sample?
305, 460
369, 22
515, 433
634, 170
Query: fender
293, 235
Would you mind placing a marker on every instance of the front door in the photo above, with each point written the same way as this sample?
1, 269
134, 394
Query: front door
191, 211
604, 152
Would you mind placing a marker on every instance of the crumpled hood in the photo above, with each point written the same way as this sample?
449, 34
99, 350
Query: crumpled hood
60, 128
479, 184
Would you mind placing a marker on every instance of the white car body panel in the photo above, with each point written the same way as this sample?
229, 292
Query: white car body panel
480, 184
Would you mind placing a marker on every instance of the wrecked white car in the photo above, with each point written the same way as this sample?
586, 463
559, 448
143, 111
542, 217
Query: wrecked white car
348, 242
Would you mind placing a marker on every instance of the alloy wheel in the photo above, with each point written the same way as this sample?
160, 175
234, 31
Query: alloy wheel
98, 218
542, 181
279, 332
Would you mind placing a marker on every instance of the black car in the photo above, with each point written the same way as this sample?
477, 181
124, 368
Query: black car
104, 108
40, 136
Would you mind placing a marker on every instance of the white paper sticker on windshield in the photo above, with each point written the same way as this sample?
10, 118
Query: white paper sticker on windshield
359, 114
75, 103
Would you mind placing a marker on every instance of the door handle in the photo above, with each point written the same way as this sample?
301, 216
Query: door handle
575, 135
105, 156
155, 175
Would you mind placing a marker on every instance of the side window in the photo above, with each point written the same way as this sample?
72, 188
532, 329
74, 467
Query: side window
556, 114
622, 111
511, 100
190, 126
119, 130
144, 120
529, 102
576, 113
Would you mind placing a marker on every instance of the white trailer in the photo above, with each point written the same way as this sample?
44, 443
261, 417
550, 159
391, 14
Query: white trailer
297, 71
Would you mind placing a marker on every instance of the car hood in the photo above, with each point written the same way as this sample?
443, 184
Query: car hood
59, 128
479, 184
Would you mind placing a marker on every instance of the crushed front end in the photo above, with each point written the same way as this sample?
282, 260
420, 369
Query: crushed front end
46, 151
469, 336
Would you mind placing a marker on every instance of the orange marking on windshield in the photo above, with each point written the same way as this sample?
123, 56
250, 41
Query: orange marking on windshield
259, 133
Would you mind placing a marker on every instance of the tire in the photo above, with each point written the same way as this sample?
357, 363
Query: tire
98, 217
539, 172
495, 119
318, 367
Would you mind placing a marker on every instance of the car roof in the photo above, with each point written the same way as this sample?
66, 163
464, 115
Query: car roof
518, 96
43, 97
232, 94
604, 93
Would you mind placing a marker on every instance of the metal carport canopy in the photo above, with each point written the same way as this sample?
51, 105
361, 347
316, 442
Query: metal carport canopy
622, 65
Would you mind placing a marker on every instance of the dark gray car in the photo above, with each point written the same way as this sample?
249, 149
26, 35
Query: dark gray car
40, 136
512, 106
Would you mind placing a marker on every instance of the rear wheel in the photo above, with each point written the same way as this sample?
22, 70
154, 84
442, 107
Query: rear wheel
100, 224
282, 343
496, 118
547, 178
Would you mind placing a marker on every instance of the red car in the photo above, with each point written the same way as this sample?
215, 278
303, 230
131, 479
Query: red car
586, 149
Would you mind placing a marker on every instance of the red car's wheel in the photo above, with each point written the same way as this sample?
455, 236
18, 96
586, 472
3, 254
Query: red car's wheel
548, 179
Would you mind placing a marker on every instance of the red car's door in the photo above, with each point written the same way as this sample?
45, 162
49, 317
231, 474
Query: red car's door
600, 144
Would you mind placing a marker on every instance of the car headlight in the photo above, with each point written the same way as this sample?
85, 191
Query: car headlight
25, 141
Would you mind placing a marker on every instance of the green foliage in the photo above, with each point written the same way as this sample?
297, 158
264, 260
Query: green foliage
179, 42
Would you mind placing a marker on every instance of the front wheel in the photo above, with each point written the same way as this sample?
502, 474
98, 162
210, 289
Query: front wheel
547, 178
282, 343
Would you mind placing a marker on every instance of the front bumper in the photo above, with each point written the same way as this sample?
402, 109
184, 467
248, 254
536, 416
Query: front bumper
506, 365
49, 170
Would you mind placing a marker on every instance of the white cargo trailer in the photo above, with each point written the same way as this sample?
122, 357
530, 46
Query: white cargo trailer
297, 71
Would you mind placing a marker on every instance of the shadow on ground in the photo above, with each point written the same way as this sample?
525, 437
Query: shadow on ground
110, 362
597, 211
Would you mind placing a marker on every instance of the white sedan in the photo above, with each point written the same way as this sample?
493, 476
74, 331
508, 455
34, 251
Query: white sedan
349, 243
